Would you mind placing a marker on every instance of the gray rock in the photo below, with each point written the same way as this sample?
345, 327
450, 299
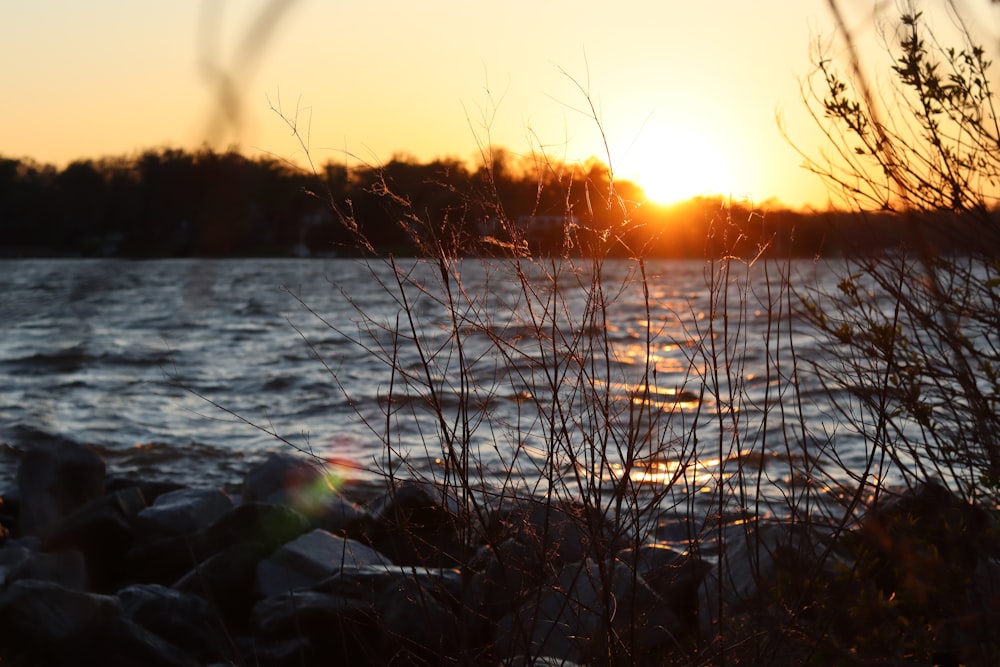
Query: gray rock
268, 525
506, 574
750, 559
65, 568
305, 486
125, 643
10, 558
42, 623
102, 531
182, 512
588, 614
183, 619
291, 481
226, 579
675, 577
54, 480
294, 652
43, 612
309, 559
561, 532
371, 581
165, 561
418, 627
341, 630
416, 523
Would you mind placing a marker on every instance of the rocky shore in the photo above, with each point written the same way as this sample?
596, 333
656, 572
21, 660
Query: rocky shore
96, 569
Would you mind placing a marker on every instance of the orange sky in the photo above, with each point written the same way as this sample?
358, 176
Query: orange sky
686, 93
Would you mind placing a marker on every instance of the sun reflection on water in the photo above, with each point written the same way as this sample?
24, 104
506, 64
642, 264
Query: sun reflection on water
701, 474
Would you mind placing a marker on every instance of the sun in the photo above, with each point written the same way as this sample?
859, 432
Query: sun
675, 163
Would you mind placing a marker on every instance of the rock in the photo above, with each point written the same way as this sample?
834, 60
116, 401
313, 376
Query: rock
41, 614
268, 525
530, 542
755, 562
163, 561
294, 652
415, 523
66, 568
674, 577
42, 623
926, 535
291, 481
561, 533
102, 531
166, 560
54, 480
306, 487
226, 580
370, 581
418, 627
182, 512
404, 597
150, 489
506, 574
342, 517
341, 630
309, 559
123, 643
10, 510
588, 614
10, 558
926, 549
183, 619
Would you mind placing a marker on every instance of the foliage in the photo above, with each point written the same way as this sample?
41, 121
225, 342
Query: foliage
174, 203
915, 331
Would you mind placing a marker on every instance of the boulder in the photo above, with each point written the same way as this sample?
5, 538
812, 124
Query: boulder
66, 568
55, 479
760, 564
149, 488
560, 532
268, 525
506, 574
164, 561
588, 614
182, 512
674, 577
294, 652
340, 630
291, 481
226, 580
416, 523
184, 619
419, 627
102, 531
305, 486
44, 614
369, 582
926, 535
309, 559
122, 643
43, 623
10, 558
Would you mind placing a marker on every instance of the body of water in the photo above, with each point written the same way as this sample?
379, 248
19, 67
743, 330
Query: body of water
188, 369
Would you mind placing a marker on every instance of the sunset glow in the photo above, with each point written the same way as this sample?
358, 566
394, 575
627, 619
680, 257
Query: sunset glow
672, 86
672, 164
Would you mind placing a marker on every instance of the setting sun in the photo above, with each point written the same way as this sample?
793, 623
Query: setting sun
675, 163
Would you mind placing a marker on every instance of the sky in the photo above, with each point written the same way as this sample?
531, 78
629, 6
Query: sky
683, 98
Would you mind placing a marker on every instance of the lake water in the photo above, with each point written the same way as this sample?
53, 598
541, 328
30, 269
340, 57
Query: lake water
186, 369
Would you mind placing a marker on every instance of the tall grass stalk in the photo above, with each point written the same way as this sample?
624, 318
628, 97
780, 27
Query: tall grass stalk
544, 382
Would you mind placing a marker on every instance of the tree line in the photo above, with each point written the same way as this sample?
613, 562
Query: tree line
175, 203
